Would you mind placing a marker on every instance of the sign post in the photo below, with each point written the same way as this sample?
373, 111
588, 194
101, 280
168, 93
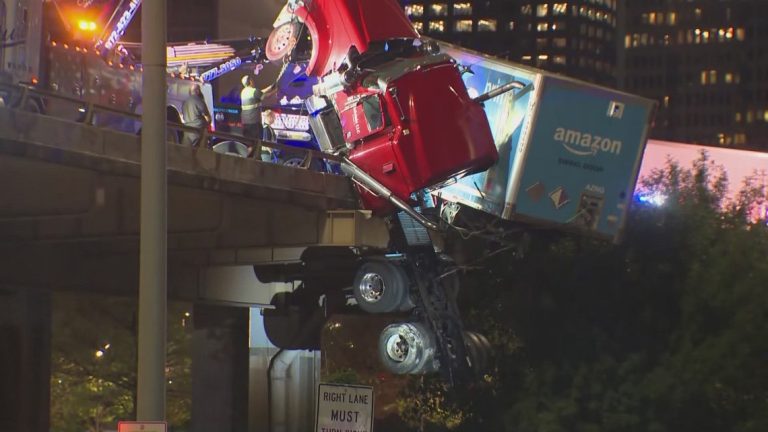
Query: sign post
344, 408
139, 426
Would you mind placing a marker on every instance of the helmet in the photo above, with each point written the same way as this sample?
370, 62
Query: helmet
245, 80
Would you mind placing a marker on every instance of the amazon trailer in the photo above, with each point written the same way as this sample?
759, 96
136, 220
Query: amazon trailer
569, 151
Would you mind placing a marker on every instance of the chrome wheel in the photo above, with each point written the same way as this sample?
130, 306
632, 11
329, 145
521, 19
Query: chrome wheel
372, 287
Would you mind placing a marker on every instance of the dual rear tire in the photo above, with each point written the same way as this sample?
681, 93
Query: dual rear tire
382, 286
411, 348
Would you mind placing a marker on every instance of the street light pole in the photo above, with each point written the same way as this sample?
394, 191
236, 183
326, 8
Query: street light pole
154, 190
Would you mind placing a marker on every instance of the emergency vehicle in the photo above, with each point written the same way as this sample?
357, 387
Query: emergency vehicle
73, 48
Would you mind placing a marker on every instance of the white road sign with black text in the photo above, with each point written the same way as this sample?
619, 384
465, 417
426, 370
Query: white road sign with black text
344, 408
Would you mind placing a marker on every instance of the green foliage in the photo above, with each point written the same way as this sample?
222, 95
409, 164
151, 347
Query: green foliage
665, 332
93, 371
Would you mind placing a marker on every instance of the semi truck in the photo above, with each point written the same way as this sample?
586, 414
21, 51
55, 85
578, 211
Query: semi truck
435, 138
439, 138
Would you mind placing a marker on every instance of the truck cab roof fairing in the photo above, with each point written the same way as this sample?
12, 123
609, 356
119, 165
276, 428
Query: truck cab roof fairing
337, 25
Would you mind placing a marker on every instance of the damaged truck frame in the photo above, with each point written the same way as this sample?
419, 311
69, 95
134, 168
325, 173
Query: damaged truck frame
437, 138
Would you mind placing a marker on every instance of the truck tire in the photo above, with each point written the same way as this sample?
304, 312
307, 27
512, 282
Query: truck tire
281, 41
290, 326
380, 287
232, 148
479, 351
408, 348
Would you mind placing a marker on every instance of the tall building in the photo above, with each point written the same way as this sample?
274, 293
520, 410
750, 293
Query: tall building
705, 62
575, 38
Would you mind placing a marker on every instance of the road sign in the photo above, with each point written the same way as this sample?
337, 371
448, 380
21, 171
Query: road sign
344, 408
129, 426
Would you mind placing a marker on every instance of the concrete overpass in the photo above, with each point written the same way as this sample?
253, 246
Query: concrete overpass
69, 221
70, 203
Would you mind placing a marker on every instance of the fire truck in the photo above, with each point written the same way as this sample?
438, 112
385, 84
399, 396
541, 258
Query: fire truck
73, 48
437, 138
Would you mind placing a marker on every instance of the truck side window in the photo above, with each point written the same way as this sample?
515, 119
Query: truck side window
374, 115
363, 119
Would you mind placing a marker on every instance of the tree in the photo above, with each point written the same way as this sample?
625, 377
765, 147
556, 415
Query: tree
93, 372
665, 332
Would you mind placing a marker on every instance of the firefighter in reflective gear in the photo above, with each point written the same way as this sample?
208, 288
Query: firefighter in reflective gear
250, 109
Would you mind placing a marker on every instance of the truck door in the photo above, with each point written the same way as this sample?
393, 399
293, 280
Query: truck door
364, 119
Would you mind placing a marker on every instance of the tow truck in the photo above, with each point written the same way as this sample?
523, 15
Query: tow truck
67, 48
437, 138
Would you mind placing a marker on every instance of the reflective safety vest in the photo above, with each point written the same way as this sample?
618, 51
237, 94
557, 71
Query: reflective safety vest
250, 104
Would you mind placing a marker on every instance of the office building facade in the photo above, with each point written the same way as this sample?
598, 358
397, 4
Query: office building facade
705, 62
575, 38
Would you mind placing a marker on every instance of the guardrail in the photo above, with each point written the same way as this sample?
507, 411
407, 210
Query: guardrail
29, 98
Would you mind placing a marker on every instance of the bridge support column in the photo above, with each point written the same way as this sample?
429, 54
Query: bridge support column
220, 369
25, 360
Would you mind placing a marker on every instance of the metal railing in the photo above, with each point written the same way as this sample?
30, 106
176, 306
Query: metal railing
29, 98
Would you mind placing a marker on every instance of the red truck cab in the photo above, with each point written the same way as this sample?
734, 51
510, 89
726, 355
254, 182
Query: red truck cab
405, 116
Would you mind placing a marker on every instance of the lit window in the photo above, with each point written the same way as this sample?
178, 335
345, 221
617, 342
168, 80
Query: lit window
558, 59
740, 34
462, 9
487, 25
511, 25
627, 41
542, 26
439, 9
559, 8
671, 18
704, 78
728, 78
418, 26
559, 42
462, 26
525, 58
721, 138
713, 77
543, 57
666, 101
559, 25
415, 10
740, 138
526, 9
765, 116
437, 26
737, 117
697, 14
542, 10
652, 18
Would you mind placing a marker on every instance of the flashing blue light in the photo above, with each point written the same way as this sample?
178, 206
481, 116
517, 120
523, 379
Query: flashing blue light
656, 199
